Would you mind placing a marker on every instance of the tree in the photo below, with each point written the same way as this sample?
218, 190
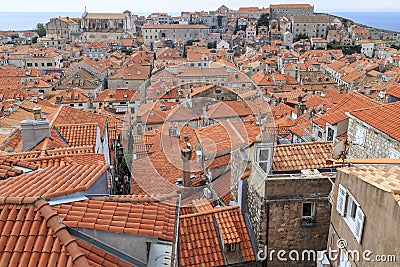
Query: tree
264, 20
300, 36
273, 25
40, 29
34, 40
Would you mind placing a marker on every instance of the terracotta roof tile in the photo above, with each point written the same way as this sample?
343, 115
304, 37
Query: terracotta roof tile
302, 156
79, 134
384, 118
219, 139
53, 182
349, 103
134, 218
48, 239
199, 242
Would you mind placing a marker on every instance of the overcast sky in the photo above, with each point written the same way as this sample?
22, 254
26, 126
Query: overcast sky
175, 6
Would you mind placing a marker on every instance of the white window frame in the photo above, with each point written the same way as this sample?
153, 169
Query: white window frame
257, 151
360, 136
355, 224
312, 210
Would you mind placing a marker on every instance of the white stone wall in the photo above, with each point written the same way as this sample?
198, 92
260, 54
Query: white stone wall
376, 145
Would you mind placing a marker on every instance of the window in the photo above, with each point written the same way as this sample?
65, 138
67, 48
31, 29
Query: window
354, 216
330, 134
360, 136
308, 210
263, 155
319, 134
218, 91
231, 247
80, 104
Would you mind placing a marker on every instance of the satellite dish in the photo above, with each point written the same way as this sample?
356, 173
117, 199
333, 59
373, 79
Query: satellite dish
339, 151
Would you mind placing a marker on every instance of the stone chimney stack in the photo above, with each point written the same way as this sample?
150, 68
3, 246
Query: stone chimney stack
37, 113
34, 131
186, 154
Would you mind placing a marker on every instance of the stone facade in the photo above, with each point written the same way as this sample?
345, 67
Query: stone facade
312, 26
375, 144
288, 11
282, 223
173, 32
274, 203
65, 28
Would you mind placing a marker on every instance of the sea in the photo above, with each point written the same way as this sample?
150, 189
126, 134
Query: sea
27, 20
379, 20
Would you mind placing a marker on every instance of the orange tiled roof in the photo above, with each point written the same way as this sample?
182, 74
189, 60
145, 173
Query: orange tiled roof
8, 166
226, 109
150, 219
53, 182
67, 115
61, 160
384, 118
350, 102
79, 134
33, 234
207, 251
302, 156
112, 95
394, 91
227, 135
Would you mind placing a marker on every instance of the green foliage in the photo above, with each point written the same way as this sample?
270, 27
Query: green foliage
397, 47
190, 42
300, 36
40, 29
264, 20
34, 40
274, 25
212, 45
347, 49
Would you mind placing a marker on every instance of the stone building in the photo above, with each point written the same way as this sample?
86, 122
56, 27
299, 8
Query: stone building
312, 26
290, 10
43, 59
64, 27
105, 26
365, 211
374, 132
287, 199
220, 75
173, 32
334, 123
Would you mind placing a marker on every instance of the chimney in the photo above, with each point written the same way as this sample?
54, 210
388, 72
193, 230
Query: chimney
163, 107
37, 113
301, 109
34, 131
186, 154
